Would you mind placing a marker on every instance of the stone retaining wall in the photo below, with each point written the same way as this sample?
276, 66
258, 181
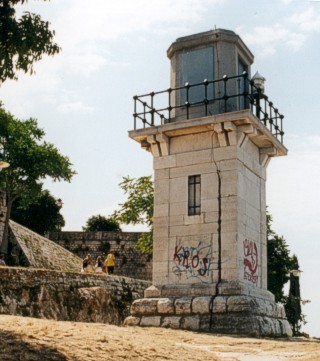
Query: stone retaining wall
129, 261
67, 296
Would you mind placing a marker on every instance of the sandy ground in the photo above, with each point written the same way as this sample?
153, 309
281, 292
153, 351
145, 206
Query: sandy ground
26, 339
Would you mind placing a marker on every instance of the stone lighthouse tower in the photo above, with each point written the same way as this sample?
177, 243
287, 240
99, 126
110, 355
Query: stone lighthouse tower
211, 135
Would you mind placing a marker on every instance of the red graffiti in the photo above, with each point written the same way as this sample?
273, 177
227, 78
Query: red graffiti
250, 261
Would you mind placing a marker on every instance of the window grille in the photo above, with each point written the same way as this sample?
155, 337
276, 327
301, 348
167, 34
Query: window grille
194, 195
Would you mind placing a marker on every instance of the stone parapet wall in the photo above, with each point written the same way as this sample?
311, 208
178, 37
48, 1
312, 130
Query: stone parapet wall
129, 261
67, 296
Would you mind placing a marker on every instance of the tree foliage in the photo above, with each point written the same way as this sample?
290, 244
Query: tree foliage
31, 160
280, 266
138, 208
279, 262
40, 214
101, 223
23, 40
293, 301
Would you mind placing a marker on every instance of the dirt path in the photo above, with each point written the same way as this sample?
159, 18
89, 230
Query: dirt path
29, 339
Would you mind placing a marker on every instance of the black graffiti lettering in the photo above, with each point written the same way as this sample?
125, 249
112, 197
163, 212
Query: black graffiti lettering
195, 261
186, 255
204, 269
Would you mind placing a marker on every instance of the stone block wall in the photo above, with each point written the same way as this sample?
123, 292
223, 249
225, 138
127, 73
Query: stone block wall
129, 261
241, 315
67, 296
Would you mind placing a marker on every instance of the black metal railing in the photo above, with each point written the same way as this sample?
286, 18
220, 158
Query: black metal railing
207, 98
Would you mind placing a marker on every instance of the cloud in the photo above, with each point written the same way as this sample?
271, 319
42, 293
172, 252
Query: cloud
267, 39
74, 107
292, 32
86, 31
297, 187
308, 20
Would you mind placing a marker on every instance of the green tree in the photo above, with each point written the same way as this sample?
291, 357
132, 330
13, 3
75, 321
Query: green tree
279, 262
40, 214
31, 160
138, 208
23, 40
293, 301
281, 268
101, 223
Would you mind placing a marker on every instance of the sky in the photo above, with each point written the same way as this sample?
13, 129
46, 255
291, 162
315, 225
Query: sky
112, 51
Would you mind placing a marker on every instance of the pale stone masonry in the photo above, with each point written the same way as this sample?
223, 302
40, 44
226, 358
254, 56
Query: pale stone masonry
129, 261
210, 268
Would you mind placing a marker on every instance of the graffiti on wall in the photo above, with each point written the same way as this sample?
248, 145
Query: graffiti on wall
250, 261
196, 262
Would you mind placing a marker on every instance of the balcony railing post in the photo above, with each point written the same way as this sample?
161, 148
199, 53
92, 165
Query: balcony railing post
281, 128
271, 116
258, 108
187, 103
144, 114
205, 82
135, 112
225, 97
169, 107
152, 109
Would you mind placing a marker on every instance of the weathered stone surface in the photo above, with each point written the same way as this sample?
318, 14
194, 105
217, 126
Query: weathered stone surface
88, 300
240, 304
245, 324
40, 252
183, 305
201, 304
165, 306
190, 323
285, 328
67, 296
144, 306
231, 324
219, 304
171, 322
268, 326
152, 321
152, 292
131, 321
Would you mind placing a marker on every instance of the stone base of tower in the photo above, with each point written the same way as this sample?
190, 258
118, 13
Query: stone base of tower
220, 313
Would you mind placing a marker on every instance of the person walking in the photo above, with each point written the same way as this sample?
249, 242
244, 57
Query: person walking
110, 263
2, 261
99, 265
87, 264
